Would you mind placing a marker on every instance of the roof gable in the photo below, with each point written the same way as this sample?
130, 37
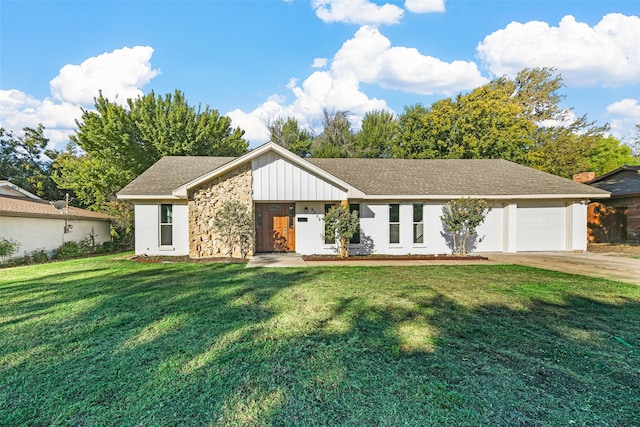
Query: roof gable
260, 151
7, 188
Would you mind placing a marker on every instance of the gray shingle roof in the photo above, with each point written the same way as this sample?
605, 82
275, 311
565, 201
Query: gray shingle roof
171, 172
37, 208
621, 182
385, 177
448, 177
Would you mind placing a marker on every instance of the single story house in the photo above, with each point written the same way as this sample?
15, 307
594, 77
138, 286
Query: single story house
616, 220
39, 224
399, 203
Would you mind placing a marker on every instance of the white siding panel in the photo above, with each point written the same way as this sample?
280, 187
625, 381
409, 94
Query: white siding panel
275, 178
148, 228
541, 226
490, 234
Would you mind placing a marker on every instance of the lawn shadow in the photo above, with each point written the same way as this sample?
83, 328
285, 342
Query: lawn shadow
188, 344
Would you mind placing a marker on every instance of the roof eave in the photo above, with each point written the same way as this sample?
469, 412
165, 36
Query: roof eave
484, 196
150, 197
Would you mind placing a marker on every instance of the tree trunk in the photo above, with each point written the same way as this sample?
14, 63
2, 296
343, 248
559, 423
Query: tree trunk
344, 248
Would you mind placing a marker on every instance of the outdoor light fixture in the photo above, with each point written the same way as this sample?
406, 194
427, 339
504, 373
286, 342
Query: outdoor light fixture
306, 209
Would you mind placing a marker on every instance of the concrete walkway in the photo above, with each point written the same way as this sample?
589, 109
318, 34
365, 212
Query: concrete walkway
611, 267
276, 260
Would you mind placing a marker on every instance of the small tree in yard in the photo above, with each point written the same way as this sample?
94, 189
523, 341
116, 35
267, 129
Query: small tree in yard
8, 248
342, 224
234, 225
461, 218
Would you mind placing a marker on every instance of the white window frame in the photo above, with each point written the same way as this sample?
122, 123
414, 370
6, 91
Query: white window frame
414, 223
390, 223
165, 224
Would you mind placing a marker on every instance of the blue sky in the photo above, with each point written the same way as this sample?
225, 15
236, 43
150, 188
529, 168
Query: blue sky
257, 60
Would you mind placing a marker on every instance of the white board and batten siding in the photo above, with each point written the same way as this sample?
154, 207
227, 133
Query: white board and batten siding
147, 219
276, 179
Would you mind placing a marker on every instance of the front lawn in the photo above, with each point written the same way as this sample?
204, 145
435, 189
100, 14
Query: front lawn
106, 341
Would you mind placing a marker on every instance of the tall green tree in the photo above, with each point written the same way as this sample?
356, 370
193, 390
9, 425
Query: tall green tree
115, 143
26, 162
336, 137
564, 150
607, 154
379, 129
485, 123
288, 134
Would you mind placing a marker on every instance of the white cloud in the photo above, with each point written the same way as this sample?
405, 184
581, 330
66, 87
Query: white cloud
119, 74
371, 57
424, 6
625, 115
357, 12
319, 62
607, 54
366, 58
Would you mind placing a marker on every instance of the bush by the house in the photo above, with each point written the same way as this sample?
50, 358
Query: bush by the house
8, 248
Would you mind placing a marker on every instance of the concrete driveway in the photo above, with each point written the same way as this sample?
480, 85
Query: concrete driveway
621, 268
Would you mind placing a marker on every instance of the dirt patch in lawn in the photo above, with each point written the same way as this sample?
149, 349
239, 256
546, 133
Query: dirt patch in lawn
620, 249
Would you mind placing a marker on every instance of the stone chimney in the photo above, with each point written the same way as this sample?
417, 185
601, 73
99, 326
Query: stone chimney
584, 176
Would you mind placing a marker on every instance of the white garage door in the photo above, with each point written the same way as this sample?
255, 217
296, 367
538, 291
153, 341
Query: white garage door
541, 227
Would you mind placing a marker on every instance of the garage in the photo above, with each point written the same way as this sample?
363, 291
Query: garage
541, 227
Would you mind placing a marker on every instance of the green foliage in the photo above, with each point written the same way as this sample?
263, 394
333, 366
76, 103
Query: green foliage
566, 150
8, 248
608, 154
336, 138
379, 129
118, 143
484, 123
461, 218
27, 163
288, 134
69, 250
341, 224
234, 224
37, 256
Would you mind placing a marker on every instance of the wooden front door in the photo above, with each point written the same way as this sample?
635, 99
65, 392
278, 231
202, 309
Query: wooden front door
275, 227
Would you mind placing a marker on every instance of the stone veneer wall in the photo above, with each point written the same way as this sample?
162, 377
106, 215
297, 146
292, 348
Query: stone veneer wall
205, 201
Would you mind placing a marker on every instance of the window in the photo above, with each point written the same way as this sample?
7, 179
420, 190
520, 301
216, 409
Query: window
292, 217
328, 240
356, 236
394, 223
418, 223
166, 225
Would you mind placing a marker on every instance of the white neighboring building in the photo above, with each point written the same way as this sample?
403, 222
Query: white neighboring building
399, 201
37, 224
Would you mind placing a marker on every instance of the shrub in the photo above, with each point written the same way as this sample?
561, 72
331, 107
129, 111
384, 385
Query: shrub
8, 248
68, 250
235, 226
37, 256
342, 224
461, 218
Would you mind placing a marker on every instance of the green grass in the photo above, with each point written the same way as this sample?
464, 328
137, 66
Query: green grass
105, 341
